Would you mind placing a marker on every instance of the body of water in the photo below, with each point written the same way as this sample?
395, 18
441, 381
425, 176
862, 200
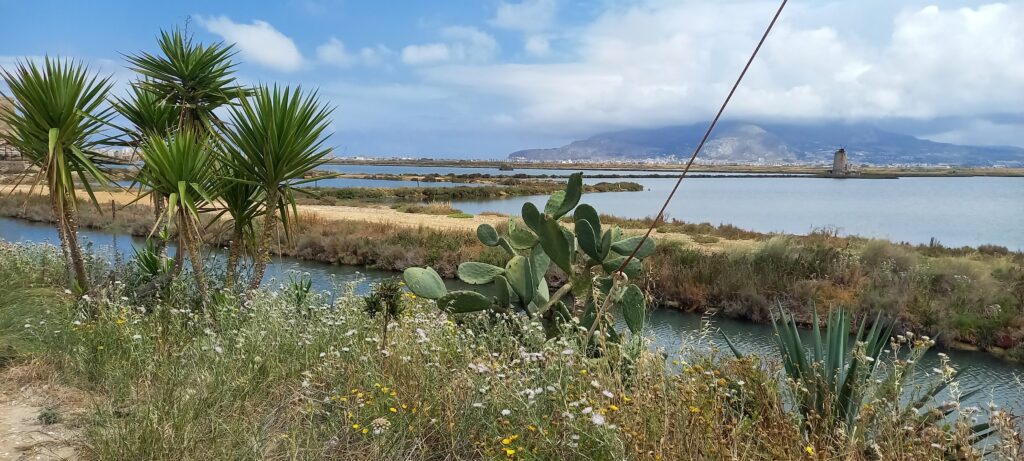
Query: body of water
955, 211
444, 170
671, 330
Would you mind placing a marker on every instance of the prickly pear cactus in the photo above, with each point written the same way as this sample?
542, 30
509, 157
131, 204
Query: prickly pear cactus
589, 253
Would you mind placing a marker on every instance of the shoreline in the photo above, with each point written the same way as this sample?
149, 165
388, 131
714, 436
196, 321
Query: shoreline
697, 168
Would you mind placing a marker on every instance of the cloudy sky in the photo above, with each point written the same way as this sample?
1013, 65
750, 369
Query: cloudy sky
482, 78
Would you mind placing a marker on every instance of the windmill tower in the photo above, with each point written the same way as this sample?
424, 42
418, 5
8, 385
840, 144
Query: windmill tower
840, 167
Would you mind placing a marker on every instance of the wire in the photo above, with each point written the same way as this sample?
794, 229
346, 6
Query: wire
707, 134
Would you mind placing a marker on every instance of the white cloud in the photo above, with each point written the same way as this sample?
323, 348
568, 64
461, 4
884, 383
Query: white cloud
528, 15
425, 54
461, 44
470, 43
335, 53
537, 45
258, 42
659, 62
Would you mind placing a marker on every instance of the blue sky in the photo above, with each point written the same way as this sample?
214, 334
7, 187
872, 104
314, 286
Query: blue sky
484, 78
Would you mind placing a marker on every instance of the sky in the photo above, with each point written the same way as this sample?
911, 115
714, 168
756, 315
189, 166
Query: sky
480, 79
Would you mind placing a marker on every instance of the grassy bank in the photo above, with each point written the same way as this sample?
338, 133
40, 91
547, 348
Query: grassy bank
303, 377
967, 297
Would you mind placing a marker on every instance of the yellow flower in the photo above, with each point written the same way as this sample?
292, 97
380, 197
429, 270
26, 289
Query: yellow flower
809, 450
583, 371
365, 430
614, 407
506, 441
694, 410
510, 452
355, 426
531, 428
404, 406
393, 410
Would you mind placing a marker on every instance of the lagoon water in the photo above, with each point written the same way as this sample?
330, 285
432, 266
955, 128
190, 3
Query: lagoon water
672, 331
956, 211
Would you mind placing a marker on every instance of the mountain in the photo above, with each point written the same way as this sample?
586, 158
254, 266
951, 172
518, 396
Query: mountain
746, 142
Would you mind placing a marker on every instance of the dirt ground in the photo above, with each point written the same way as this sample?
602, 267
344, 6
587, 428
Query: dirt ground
25, 393
385, 215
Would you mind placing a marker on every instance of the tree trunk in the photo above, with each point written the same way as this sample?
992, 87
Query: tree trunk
234, 256
263, 251
159, 205
75, 251
62, 233
188, 236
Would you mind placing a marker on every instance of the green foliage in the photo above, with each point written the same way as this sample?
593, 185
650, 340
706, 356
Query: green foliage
385, 300
55, 123
425, 282
150, 262
192, 78
585, 255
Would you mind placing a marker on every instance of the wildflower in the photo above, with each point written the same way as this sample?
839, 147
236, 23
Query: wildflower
478, 405
608, 394
510, 452
613, 407
597, 419
393, 410
583, 371
506, 412
809, 450
355, 426
380, 425
136, 337
694, 410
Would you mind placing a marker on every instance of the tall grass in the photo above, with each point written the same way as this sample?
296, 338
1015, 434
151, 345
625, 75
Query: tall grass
272, 381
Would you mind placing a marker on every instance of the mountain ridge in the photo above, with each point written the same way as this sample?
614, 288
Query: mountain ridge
771, 143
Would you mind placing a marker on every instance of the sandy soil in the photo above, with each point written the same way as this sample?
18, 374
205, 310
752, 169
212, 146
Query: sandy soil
24, 393
385, 215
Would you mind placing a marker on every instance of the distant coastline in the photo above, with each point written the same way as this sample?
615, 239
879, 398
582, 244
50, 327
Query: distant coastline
787, 170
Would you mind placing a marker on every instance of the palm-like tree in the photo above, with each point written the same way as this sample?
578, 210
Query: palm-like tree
148, 113
193, 78
241, 201
181, 168
190, 78
275, 138
55, 123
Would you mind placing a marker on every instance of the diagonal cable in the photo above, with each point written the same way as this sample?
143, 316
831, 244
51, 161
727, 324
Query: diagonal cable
707, 134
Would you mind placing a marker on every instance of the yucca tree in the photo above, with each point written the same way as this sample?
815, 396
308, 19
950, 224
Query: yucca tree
148, 114
56, 121
275, 138
181, 168
194, 78
241, 201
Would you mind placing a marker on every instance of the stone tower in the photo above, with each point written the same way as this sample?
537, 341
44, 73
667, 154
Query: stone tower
839, 165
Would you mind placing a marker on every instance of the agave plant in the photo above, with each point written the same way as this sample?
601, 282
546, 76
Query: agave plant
590, 254
182, 169
836, 372
275, 138
55, 123
833, 377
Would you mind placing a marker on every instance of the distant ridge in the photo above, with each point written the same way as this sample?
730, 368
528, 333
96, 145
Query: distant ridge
753, 143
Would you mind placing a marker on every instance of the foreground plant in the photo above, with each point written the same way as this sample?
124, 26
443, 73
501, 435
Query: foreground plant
275, 138
860, 387
55, 123
591, 256
182, 169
